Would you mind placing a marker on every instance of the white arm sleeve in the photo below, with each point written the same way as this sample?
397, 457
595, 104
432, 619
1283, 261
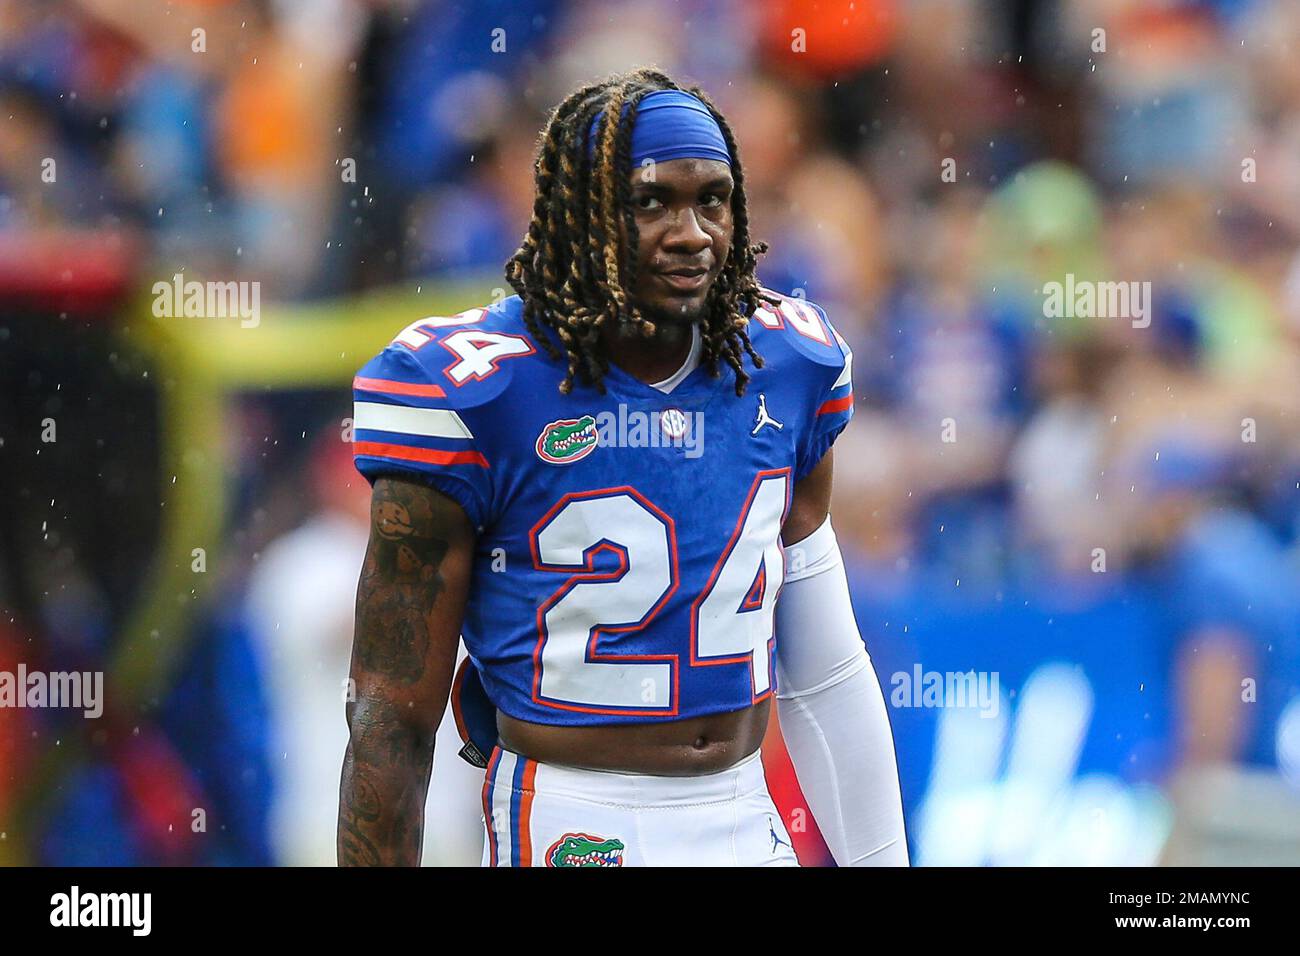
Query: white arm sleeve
832, 711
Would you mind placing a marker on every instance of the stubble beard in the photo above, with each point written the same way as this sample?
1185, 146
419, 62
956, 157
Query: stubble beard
678, 318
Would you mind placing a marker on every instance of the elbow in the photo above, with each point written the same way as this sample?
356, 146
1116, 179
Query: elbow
395, 726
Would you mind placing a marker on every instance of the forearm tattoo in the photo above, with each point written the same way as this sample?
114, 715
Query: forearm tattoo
385, 774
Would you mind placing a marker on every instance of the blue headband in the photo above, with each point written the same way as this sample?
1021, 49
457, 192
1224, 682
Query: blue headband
670, 124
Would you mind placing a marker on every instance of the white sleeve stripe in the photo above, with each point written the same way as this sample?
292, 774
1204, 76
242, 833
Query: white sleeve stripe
410, 420
846, 376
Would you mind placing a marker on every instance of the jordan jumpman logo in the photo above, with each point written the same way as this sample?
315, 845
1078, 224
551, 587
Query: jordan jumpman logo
763, 417
776, 839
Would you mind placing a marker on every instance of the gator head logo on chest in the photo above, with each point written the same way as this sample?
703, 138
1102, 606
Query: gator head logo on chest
567, 440
581, 849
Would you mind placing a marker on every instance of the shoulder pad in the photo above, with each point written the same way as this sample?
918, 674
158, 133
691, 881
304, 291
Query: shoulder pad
460, 361
801, 326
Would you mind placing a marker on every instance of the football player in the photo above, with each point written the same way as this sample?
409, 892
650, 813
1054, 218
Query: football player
614, 486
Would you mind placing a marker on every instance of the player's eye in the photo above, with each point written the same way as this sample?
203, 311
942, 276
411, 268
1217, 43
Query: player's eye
711, 200
648, 202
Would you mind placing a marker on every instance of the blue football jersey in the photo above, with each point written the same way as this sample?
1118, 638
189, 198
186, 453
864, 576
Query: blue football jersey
629, 555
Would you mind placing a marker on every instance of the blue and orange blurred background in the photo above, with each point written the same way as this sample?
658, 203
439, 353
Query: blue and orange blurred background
1114, 533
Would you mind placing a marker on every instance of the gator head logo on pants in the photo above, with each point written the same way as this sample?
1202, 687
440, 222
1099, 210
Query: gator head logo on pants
581, 849
567, 440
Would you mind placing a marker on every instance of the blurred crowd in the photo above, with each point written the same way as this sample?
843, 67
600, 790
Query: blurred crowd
1101, 513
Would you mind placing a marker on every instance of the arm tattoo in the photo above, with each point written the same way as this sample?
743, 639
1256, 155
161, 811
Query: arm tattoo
399, 583
390, 751
385, 774
359, 808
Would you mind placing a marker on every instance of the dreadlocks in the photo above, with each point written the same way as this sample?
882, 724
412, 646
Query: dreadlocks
573, 273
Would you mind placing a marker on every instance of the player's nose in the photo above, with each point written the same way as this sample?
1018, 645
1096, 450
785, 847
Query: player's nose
686, 235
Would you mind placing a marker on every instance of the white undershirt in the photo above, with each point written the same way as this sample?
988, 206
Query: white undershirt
692, 360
